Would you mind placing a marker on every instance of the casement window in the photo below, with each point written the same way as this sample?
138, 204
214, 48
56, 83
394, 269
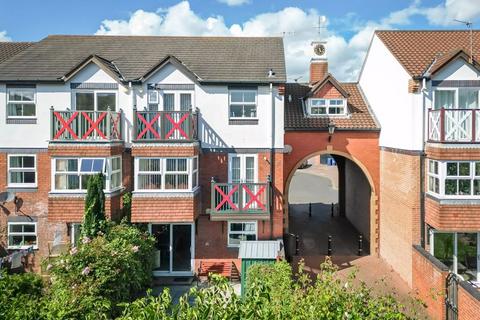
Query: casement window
72, 174
168, 174
21, 103
22, 171
319, 107
243, 103
454, 179
459, 251
241, 231
169, 100
456, 98
95, 100
22, 235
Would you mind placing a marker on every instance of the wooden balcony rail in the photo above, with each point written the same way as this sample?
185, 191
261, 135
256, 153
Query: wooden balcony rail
454, 125
103, 126
158, 126
240, 198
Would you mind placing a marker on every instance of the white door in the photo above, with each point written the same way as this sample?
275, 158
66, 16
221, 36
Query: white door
242, 168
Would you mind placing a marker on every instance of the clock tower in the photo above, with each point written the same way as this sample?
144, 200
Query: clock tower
318, 61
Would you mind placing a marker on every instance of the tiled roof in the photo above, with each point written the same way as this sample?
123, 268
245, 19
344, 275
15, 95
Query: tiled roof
212, 59
9, 49
359, 118
416, 50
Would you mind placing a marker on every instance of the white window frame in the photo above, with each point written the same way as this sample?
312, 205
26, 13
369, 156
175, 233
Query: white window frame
243, 169
95, 100
434, 175
327, 107
442, 176
12, 247
230, 103
159, 98
456, 96
22, 185
110, 172
163, 164
106, 170
34, 102
230, 245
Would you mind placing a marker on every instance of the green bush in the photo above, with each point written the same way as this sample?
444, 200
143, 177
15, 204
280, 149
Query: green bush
94, 217
20, 296
100, 273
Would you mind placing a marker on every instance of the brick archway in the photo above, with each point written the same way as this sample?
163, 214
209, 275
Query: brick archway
359, 147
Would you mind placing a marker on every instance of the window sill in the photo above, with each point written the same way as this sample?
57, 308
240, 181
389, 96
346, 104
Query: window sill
21, 120
22, 247
242, 121
82, 193
453, 200
22, 188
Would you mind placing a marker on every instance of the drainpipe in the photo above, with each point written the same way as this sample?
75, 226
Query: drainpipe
422, 166
272, 150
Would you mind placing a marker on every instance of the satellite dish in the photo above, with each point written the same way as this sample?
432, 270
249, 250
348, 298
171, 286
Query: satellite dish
7, 196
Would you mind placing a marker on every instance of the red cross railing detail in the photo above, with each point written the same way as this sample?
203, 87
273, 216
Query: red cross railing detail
240, 198
86, 126
157, 126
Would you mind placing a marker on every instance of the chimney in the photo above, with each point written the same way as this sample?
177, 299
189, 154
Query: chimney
318, 70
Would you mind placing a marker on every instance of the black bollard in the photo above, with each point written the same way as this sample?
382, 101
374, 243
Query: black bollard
310, 209
329, 253
360, 245
297, 245
333, 208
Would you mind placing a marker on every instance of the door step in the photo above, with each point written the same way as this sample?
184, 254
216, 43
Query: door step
171, 280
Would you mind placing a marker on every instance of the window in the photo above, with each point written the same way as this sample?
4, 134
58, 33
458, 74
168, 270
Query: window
21, 102
241, 231
22, 171
327, 107
467, 98
73, 174
171, 101
95, 100
444, 99
168, 102
185, 101
166, 173
458, 98
22, 235
454, 178
243, 103
458, 251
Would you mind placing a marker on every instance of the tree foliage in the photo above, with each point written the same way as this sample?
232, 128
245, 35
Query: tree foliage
94, 217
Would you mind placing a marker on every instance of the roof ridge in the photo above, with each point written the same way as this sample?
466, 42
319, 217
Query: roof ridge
158, 36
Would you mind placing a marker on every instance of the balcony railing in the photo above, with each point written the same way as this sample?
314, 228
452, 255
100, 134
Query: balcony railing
86, 126
454, 126
248, 199
161, 126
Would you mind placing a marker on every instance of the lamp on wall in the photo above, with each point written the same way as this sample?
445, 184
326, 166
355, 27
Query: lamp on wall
331, 130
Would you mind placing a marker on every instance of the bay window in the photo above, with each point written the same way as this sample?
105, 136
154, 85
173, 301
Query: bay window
101, 100
22, 171
318, 107
72, 174
454, 179
243, 103
21, 103
22, 235
166, 174
241, 231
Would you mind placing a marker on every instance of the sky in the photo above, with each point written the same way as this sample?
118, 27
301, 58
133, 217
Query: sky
348, 28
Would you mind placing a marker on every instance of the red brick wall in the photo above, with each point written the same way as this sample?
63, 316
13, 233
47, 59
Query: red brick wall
79, 150
463, 217
318, 71
429, 282
328, 91
468, 305
168, 209
187, 150
71, 208
439, 153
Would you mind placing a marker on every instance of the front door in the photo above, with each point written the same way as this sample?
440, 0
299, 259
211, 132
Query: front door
174, 248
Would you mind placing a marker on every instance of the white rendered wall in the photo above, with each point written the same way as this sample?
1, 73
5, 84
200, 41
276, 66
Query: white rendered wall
385, 84
457, 70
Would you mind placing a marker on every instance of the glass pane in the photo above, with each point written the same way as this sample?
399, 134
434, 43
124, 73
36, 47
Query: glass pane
336, 110
171, 165
66, 165
185, 101
29, 240
464, 168
86, 165
16, 177
317, 102
161, 233
28, 110
467, 255
116, 164
15, 110
476, 187
236, 111
250, 226
249, 96
29, 177
98, 165
84, 101
450, 186
16, 228
16, 162
467, 98
182, 164
149, 181
443, 248
67, 182
29, 228
28, 162
477, 168
444, 99
168, 101
149, 164
464, 187
236, 226
250, 111
236, 96
15, 240
84, 181
181, 243
235, 169
105, 101
116, 180
21, 95
152, 96
250, 169
452, 168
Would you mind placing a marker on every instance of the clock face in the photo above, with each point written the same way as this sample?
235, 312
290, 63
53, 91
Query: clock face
319, 49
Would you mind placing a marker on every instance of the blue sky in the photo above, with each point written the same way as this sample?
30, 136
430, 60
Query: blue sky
348, 32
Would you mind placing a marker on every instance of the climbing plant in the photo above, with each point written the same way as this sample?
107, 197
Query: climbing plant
94, 217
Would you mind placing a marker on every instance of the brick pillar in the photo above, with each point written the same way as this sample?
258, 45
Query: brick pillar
318, 70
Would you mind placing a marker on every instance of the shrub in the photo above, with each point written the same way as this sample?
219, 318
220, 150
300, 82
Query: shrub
20, 296
94, 218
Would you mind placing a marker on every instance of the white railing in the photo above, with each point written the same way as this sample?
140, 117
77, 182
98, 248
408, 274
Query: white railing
454, 125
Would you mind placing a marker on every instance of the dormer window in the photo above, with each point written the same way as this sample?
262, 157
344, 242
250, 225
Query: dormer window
320, 107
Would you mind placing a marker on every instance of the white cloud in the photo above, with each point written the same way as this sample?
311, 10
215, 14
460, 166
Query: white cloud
4, 37
297, 25
234, 2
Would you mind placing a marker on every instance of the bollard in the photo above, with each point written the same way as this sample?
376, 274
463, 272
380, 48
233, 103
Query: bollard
329, 253
360, 245
310, 209
333, 208
297, 245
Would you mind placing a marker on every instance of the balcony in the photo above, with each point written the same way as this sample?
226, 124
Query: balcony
240, 201
454, 126
164, 126
85, 126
